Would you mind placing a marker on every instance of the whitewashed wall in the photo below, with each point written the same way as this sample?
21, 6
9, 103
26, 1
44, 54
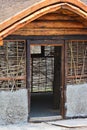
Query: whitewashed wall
76, 100
13, 106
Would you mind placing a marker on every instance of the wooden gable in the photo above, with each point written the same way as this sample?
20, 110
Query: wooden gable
60, 22
39, 9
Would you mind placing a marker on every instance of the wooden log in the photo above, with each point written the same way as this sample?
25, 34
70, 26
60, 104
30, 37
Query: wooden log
51, 32
58, 16
1, 42
53, 24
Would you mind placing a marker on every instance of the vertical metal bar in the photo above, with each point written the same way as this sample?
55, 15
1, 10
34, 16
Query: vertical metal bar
28, 75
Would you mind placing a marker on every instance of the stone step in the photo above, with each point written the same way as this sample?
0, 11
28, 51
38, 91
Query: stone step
71, 124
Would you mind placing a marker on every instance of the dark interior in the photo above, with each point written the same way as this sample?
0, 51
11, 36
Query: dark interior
42, 105
46, 82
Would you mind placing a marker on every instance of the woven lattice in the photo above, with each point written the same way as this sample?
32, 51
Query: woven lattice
76, 62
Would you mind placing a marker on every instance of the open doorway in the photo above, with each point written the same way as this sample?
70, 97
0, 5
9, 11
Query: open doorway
46, 81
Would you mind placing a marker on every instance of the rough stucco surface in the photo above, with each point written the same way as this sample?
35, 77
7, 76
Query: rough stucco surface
76, 96
13, 107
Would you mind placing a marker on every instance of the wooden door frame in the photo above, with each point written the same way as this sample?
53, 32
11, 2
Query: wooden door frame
28, 77
63, 80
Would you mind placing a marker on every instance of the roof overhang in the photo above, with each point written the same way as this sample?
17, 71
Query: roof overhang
37, 10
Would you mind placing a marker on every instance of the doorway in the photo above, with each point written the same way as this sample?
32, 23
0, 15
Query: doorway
46, 81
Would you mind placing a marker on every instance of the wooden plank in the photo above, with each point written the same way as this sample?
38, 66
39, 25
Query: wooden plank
63, 81
45, 119
65, 74
66, 67
43, 32
13, 78
61, 14
45, 42
53, 24
28, 78
47, 37
60, 17
28, 64
55, 16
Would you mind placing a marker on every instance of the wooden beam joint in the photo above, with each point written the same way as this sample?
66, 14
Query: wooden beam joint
1, 42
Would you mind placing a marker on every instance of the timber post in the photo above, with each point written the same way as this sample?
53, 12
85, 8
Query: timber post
28, 74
